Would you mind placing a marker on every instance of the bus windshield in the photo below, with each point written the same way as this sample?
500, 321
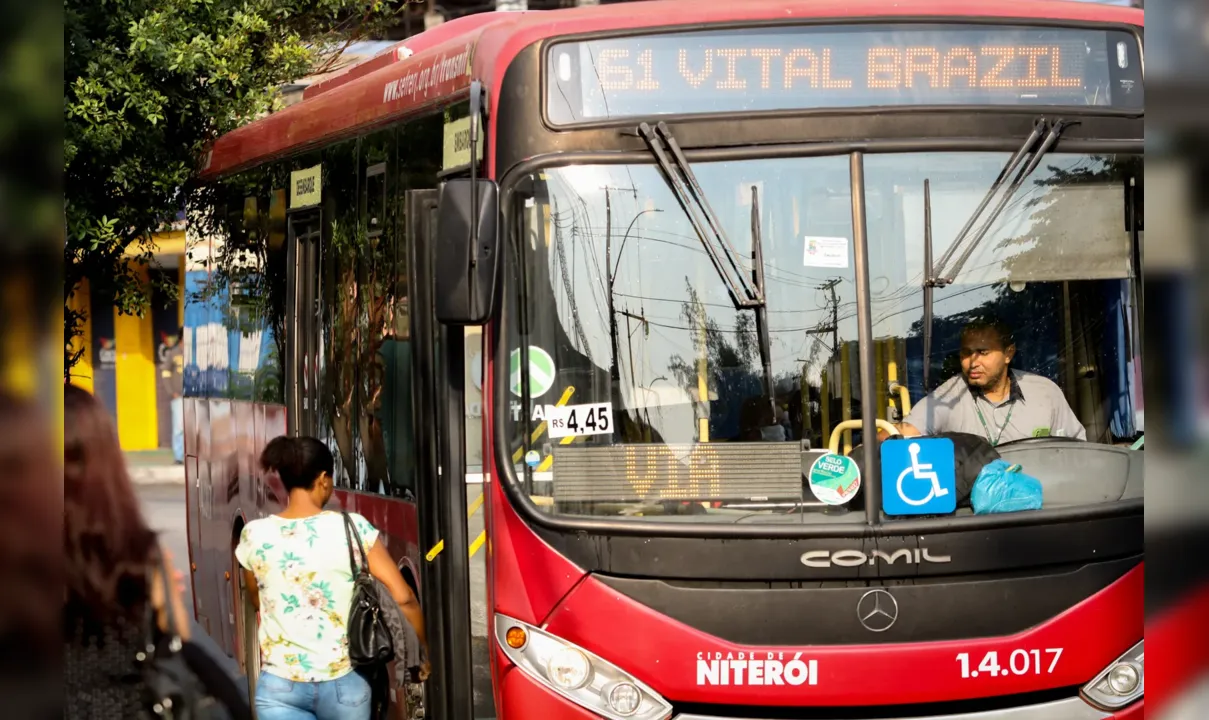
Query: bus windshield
638, 389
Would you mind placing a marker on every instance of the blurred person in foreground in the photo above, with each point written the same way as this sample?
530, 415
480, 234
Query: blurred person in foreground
31, 561
115, 582
297, 564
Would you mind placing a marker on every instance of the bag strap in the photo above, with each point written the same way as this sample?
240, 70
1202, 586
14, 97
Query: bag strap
350, 532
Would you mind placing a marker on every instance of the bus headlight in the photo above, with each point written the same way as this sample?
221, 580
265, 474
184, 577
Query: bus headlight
1121, 683
625, 699
569, 668
578, 675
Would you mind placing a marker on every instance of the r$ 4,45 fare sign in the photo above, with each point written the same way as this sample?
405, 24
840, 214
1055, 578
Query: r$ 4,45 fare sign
574, 420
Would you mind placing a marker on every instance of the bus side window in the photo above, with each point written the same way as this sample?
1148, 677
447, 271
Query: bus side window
385, 403
339, 378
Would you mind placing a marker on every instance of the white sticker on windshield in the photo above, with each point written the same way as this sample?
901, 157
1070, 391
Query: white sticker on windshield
826, 252
575, 420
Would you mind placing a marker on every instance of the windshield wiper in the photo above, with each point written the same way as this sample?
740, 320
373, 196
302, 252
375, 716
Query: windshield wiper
757, 255
1012, 164
942, 279
1055, 131
746, 291
692, 199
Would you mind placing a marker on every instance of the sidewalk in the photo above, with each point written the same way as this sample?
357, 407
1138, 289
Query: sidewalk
154, 467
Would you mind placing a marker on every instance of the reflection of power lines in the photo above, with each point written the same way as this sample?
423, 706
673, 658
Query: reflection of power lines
616, 364
833, 304
560, 252
644, 325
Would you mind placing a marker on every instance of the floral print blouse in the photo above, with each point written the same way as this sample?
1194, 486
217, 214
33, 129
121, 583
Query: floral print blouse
306, 589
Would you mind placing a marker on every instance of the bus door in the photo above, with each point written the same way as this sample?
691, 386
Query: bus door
439, 381
303, 322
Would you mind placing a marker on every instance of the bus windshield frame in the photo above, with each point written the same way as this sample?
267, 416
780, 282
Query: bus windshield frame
516, 191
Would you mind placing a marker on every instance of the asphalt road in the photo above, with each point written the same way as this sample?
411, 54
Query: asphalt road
164, 508
484, 704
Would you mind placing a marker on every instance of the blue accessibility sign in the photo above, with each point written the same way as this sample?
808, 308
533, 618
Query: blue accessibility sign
919, 476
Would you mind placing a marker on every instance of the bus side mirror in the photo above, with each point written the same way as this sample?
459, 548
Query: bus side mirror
466, 263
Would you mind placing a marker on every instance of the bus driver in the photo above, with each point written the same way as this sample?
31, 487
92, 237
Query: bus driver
990, 398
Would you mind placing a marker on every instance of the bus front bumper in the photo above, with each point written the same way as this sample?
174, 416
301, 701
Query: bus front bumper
522, 697
1069, 709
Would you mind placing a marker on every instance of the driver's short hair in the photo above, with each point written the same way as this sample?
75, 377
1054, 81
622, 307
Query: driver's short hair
991, 324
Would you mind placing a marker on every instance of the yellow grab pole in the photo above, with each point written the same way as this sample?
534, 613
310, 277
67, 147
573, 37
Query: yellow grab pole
516, 457
702, 382
825, 405
541, 428
879, 351
845, 396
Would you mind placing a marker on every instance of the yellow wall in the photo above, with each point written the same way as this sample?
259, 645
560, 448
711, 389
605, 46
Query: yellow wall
26, 348
20, 349
135, 372
138, 417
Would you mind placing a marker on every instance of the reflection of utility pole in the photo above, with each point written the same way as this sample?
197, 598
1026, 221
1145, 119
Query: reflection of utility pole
644, 326
834, 328
829, 286
561, 253
610, 275
834, 303
615, 366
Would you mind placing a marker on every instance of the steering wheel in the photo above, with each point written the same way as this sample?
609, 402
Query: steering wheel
1035, 440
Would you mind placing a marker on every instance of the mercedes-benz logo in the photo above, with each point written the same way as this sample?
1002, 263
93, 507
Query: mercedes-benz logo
877, 610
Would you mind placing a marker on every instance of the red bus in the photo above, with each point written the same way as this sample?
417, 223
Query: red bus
601, 310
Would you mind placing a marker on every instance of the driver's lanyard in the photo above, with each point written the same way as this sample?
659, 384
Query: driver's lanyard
994, 440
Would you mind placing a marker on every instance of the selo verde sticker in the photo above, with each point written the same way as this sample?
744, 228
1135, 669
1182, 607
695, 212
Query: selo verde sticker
541, 372
834, 479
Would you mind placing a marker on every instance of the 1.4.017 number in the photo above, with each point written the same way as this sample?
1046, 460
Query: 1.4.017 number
1019, 662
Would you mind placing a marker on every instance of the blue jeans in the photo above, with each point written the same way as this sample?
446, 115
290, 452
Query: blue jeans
345, 698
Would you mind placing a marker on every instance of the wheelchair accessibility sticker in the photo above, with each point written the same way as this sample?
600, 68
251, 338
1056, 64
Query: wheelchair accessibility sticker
834, 479
919, 476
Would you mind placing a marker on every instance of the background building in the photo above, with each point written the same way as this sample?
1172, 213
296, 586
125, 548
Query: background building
126, 356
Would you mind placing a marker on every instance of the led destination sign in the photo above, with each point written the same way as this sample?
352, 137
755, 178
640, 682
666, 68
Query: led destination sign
841, 67
653, 473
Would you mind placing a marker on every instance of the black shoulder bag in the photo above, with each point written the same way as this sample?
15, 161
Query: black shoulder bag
369, 637
173, 690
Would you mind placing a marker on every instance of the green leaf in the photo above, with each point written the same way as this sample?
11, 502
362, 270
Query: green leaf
146, 86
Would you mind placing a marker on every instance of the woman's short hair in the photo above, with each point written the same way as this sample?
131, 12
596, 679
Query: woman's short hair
298, 461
